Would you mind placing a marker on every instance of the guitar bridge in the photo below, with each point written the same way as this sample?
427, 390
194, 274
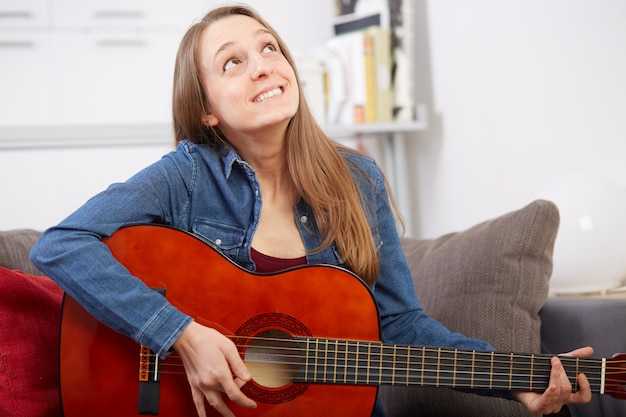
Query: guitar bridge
149, 378
149, 383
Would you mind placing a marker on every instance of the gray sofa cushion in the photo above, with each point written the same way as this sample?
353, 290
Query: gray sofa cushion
15, 247
488, 282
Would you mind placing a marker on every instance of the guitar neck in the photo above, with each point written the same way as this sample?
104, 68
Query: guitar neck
373, 363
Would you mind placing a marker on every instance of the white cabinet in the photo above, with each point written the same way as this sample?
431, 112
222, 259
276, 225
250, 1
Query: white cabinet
100, 14
25, 79
66, 62
113, 78
24, 14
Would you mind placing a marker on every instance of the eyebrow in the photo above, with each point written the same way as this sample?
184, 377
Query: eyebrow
261, 31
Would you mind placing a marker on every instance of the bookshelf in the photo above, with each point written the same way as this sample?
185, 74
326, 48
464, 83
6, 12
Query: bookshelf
338, 131
376, 77
342, 131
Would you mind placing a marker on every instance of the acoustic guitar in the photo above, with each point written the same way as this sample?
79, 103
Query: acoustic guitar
309, 336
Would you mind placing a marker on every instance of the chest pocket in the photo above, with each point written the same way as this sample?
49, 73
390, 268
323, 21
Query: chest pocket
229, 239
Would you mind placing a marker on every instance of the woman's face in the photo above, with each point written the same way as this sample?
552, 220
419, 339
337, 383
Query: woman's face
249, 83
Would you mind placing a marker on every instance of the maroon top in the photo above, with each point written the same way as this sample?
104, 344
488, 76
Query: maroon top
265, 263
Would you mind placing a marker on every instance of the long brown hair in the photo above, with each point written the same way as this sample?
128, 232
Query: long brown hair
319, 171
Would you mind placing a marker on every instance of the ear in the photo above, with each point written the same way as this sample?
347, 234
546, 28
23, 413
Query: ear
210, 120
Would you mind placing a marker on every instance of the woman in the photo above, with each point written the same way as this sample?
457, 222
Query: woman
250, 161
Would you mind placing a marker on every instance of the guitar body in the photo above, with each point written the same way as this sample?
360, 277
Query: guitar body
100, 369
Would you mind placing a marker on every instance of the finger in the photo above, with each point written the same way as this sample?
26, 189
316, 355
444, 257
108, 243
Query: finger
232, 386
583, 352
559, 378
240, 382
216, 401
237, 365
584, 390
198, 400
234, 393
558, 391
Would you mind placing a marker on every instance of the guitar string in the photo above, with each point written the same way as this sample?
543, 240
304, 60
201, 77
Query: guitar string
482, 356
442, 374
460, 382
440, 378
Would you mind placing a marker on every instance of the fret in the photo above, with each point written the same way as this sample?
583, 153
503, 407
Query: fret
423, 365
438, 368
356, 362
317, 357
393, 366
356, 368
325, 369
455, 369
511, 360
335, 360
532, 371
491, 372
306, 359
575, 387
473, 363
369, 362
408, 366
330, 365
344, 363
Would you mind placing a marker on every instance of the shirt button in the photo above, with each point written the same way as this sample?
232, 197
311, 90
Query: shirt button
218, 242
304, 219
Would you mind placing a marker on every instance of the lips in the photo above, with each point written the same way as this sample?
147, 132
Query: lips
268, 94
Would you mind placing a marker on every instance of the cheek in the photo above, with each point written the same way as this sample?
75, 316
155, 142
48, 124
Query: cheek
218, 97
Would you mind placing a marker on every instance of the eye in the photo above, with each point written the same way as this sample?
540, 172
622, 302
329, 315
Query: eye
231, 63
269, 47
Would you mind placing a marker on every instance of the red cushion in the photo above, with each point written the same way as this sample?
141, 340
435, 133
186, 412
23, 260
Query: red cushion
30, 309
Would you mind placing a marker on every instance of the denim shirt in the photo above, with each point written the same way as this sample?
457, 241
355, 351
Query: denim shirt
217, 196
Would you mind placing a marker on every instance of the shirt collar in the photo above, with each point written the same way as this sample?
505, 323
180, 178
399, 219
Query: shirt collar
230, 157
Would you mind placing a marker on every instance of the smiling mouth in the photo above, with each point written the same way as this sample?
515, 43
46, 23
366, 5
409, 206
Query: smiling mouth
265, 96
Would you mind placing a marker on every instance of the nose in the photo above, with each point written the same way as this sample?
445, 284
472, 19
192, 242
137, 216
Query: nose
259, 66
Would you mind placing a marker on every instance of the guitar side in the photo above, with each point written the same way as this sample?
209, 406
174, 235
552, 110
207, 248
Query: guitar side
99, 368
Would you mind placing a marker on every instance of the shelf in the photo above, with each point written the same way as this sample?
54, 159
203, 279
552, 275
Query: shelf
83, 136
342, 131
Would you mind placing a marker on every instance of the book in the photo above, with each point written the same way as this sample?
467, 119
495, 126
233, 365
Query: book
346, 77
359, 75
382, 94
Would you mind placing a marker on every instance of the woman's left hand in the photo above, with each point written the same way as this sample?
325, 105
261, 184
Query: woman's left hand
559, 391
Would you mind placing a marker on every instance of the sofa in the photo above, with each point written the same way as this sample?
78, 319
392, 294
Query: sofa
489, 281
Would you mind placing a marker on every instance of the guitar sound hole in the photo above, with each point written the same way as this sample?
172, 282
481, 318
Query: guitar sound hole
273, 358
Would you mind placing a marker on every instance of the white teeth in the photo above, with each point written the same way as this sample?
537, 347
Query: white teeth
267, 95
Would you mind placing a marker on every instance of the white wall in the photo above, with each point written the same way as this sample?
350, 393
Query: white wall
519, 91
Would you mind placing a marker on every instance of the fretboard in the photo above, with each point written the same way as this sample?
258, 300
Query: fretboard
372, 363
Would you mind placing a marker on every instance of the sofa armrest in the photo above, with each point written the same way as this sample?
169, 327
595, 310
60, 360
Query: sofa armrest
15, 247
569, 323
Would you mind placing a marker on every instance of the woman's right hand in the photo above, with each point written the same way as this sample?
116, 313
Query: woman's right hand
213, 366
